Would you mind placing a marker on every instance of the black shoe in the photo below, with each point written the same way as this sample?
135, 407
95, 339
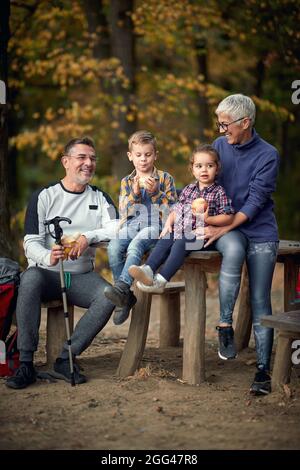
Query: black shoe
261, 384
226, 343
122, 313
61, 369
25, 375
118, 294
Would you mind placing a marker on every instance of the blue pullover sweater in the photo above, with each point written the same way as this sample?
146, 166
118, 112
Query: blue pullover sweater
248, 175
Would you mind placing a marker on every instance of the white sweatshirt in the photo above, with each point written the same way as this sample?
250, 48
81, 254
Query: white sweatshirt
92, 214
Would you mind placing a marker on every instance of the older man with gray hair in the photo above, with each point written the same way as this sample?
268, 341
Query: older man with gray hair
248, 175
93, 215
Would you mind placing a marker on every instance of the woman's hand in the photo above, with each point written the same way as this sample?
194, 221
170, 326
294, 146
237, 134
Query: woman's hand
212, 233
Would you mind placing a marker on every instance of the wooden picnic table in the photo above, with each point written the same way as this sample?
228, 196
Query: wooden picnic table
196, 266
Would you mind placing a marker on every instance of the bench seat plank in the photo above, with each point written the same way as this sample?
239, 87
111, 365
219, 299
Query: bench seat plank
289, 321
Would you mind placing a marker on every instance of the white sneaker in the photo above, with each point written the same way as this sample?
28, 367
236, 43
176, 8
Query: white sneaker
158, 286
143, 273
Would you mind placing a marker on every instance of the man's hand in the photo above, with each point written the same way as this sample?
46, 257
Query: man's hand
212, 233
79, 247
57, 253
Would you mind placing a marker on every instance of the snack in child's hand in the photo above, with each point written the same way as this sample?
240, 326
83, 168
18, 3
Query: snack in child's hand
68, 242
142, 181
199, 205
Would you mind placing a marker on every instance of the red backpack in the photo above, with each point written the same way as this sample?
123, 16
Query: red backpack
9, 283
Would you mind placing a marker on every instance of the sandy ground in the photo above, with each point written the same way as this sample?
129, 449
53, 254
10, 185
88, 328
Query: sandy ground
153, 409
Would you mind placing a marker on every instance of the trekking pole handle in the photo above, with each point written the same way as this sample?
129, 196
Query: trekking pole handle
57, 228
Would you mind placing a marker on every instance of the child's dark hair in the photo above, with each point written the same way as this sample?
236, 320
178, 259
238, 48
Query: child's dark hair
205, 148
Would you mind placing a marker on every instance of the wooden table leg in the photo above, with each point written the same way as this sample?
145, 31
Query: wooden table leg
244, 318
282, 364
290, 281
137, 335
194, 325
169, 330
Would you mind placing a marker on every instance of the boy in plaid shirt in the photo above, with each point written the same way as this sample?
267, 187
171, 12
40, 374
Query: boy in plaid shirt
145, 199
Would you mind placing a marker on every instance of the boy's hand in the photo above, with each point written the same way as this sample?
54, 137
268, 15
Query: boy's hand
135, 186
151, 185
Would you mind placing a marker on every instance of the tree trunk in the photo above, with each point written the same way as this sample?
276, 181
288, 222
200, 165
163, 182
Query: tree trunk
5, 234
123, 47
260, 74
204, 113
285, 151
115, 38
98, 27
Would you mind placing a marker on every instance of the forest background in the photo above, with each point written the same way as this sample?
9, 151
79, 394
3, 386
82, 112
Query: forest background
106, 68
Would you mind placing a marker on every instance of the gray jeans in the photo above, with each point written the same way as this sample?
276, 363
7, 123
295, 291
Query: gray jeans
40, 285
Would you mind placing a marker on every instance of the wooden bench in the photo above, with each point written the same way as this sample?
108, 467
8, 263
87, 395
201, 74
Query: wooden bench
56, 328
169, 326
288, 326
169, 333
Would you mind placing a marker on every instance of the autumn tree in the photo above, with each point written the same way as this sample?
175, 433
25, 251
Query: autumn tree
113, 36
5, 234
106, 67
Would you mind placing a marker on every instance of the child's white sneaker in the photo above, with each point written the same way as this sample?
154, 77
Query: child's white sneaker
158, 286
143, 273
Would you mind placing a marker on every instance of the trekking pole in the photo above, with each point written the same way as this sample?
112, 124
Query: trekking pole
58, 232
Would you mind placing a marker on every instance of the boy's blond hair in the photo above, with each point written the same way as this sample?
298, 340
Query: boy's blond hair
142, 137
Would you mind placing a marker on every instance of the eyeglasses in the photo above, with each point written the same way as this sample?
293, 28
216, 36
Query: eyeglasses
82, 158
225, 125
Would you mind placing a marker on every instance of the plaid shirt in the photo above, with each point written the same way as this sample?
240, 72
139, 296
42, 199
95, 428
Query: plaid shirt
164, 196
218, 203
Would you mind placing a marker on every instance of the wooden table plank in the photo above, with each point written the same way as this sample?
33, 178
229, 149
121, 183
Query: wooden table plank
289, 321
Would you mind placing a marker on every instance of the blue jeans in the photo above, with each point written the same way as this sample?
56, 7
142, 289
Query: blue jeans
125, 251
171, 253
261, 260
